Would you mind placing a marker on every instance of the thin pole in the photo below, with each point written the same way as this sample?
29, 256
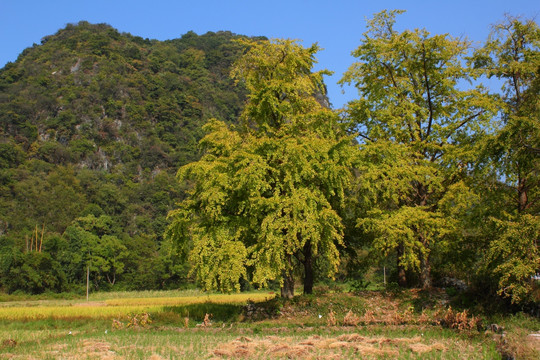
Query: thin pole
42, 232
87, 280
36, 238
384, 273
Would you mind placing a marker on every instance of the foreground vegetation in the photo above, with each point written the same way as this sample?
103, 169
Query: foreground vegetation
368, 324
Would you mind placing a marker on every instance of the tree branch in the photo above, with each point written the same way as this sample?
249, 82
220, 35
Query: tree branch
365, 137
465, 122
430, 103
400, 96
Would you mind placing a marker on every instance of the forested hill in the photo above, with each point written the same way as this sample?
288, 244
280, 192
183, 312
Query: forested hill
94, 125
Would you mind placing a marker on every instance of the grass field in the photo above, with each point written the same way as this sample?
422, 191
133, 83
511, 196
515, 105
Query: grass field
193, 325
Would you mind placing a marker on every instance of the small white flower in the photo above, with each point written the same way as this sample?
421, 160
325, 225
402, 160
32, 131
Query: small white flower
320, 316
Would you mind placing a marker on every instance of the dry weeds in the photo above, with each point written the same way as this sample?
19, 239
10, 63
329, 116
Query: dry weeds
331, 321
86, 349
156, 357
351, 319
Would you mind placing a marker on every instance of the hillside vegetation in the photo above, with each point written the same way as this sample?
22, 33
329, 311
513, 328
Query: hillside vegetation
94, 125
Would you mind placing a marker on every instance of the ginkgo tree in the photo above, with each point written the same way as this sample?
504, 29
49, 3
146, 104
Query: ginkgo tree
264, 198
419, 119
512, 55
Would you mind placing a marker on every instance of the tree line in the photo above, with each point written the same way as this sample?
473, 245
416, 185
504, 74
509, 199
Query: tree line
427, 167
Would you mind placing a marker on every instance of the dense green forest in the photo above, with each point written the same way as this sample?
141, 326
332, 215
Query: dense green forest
94, 125
429, 174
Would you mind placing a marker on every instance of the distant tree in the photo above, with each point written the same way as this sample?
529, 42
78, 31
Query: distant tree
32, 272
419, 129
92, 244
264, 195
51, 199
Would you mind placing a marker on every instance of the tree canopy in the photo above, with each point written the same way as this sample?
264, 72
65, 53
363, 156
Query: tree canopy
264, 194
512, 55
420, 130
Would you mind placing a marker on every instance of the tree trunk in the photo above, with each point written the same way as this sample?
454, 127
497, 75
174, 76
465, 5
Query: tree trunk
425, 272
523, 201
402, 276
308, 269
113, 278
87, 281
287, 289
425, 265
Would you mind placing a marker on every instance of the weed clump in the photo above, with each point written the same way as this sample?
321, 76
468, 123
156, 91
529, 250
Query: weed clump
331, 321
206, 321
133, 321
459, 320
351, 319
9, 343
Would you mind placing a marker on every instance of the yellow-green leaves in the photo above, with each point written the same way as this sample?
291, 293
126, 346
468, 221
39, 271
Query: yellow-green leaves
281, 85
514, 255
418, 127
410, 85
262, 192
512, 54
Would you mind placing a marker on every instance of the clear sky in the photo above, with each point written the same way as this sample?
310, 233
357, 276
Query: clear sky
336, 25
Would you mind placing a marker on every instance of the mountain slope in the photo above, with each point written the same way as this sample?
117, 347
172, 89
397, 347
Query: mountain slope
94, 122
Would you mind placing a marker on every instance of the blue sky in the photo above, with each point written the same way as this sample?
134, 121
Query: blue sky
336, 25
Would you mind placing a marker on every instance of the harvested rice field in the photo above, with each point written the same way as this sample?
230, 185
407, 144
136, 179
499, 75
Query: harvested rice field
370, 325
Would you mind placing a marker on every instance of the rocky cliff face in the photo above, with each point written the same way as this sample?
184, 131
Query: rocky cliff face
90, 95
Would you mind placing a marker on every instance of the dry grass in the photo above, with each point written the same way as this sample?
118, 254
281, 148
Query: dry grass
84, 349
459, 320
340, 326
423, 348
331, 320
518, 344
323, 347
